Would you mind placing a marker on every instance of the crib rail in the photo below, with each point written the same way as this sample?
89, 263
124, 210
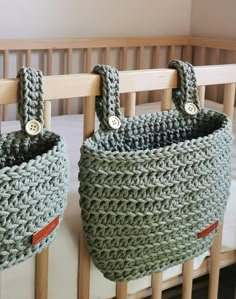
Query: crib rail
213, 51
213, 43
79, 56
89, 52
92, 43
88, 86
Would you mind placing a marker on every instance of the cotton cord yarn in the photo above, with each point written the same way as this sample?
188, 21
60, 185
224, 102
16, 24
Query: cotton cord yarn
108, 104
31, 94
33, 177
148, 188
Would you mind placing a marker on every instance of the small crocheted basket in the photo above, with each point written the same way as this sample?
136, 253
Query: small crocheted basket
33, 178
154, 187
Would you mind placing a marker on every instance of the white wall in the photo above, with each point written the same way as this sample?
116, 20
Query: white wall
93, 18
214, 18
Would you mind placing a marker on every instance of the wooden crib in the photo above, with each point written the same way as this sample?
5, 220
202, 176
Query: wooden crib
79, 55
87, 86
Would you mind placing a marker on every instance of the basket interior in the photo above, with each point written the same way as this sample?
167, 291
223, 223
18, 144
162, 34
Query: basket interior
18, 147
154, 131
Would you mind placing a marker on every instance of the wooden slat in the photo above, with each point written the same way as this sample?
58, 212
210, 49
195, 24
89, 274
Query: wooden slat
217, 56
215, 265
215, 96
89, 116
28, 58
140, 59
88, 66
93, 43
234, 57
84, 259
187, 53
155, 64
84, 268
56, 87
121, 290
202, 56
201, 93
122, 287
157, 285
107, 56
229, 99
49, 62
47, 114
187, 280
88, 60
123, 67
156, 57
69, 71
5, 64
5, 75
41, 270
130, 104
171, 53
41, 275
166, 101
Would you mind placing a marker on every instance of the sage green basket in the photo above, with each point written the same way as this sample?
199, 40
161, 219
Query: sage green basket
153, 188
33, 178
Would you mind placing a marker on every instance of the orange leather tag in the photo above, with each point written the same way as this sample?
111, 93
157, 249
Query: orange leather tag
45, 231
207, 230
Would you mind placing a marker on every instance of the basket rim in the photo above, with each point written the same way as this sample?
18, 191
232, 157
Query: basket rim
59, 143
88, 144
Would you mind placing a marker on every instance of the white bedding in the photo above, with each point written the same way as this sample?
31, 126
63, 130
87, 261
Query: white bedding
18, 282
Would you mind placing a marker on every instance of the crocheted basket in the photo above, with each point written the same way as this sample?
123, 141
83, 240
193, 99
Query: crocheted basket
154, 187
33, 178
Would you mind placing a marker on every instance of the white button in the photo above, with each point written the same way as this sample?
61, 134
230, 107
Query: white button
114, 122
190, 108
33, 127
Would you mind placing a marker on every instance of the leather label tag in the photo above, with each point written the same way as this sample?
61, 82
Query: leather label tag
45, 231
207, 230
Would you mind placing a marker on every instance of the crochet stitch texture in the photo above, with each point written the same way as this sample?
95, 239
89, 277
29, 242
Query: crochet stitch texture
148, 188
33, 177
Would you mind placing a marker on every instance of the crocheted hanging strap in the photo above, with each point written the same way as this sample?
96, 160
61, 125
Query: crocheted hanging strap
108, 104
185, 96
30, 107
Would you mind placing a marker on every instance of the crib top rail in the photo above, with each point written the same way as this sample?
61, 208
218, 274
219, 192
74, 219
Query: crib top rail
83, 85
214, 43
83, 43
92, 43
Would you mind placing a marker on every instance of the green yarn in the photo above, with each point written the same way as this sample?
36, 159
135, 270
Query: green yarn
31, 104
187, 91
33, 177
108, 104
148, 188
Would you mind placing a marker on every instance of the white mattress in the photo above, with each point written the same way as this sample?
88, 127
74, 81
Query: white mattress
18, 282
